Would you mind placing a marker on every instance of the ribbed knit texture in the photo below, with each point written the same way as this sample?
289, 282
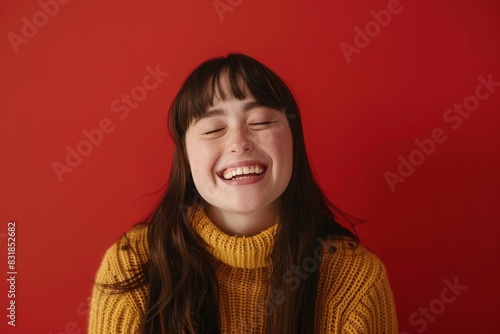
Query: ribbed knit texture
240, 252
353, 292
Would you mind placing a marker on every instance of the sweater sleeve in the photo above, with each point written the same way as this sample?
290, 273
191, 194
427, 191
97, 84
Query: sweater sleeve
112, 312
374, 312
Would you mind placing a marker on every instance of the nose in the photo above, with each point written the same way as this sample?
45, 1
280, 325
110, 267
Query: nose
239, 141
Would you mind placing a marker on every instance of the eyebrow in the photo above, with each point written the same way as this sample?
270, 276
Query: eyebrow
218, 111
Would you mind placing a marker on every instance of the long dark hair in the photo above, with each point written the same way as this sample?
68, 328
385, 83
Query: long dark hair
180, 276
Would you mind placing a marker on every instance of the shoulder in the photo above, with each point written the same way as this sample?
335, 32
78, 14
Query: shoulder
112, 312
354, 294
346, 264
128, 253
135, 240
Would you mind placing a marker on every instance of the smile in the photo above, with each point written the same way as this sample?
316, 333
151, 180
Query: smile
242, 172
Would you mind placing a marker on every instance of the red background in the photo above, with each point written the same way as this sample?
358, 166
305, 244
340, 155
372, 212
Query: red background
440, 224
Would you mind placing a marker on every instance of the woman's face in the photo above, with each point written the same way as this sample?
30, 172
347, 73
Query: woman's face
240, 155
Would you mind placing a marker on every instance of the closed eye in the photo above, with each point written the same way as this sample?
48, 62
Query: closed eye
214, 133
261, 125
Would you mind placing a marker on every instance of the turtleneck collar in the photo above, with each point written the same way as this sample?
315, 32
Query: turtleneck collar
240, 252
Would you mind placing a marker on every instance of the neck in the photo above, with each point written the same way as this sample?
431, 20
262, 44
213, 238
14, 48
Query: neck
243, 224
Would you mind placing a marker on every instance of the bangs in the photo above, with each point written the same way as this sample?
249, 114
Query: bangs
221, 78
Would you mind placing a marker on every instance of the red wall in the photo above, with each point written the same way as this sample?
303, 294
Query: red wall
367, 101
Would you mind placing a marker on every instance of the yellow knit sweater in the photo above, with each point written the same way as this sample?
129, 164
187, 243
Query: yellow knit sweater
353, 292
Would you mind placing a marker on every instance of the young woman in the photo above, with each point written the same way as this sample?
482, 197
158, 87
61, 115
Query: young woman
243, 241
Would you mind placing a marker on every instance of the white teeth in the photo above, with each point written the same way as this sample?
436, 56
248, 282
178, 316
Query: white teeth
232, 172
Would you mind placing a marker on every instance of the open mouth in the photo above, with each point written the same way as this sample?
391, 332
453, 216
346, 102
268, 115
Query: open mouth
242, 172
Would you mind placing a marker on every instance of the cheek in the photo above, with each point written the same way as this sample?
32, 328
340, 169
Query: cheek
193, 155
201, 158
281, 145
286, 156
